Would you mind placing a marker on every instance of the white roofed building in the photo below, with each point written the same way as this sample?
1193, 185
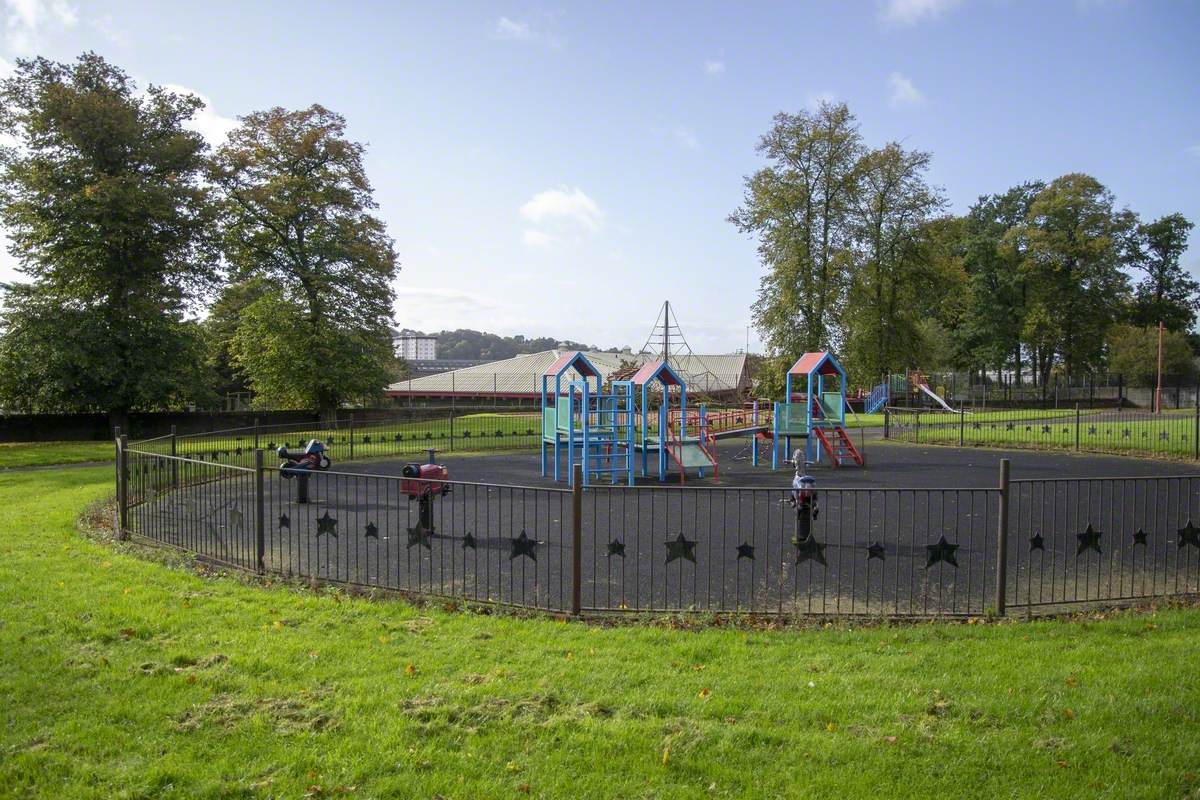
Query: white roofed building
521, 377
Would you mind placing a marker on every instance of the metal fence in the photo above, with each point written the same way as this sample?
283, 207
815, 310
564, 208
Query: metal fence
394, 433
900, 553
1171, 432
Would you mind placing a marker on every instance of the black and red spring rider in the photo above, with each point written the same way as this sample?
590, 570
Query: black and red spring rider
302, 463
423, 482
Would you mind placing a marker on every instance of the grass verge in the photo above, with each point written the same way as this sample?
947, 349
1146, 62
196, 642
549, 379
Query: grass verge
122, 677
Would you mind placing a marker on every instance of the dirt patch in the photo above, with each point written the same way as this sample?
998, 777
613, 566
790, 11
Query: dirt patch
302, 713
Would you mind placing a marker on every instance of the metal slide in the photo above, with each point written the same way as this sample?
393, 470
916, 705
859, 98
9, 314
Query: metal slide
924, 387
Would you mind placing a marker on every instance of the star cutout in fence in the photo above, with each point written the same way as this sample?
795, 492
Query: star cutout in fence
327, 524
372, 531
1009, 426
941, 551
1125, 433
523, 546
875, 550
616, 548
399, 437
1189, 534
1092, 430
681, 547
469, 541
745, 550
419, 534
1045, 429
285, 521
1163, 435
1139, 536
1088, 540
1037, 542
810, 548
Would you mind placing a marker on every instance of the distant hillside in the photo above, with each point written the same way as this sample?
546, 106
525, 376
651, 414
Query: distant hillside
469, 344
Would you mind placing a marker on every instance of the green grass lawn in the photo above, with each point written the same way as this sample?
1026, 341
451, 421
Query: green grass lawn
1172, 434
36, 454
128, 678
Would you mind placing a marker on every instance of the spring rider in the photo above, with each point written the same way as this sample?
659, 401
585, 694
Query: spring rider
423, 482
803, 498
302, 463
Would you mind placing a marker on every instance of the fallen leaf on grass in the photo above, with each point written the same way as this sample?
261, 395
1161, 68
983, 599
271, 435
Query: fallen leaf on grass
705, 692
410, 669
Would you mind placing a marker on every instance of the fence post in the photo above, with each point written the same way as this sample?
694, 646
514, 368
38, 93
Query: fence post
1002, 541
576, 537
451, 429
351, 458
260, 542
1196, 427
962, 427
256, 444
122, 487
174, 463
1077, 426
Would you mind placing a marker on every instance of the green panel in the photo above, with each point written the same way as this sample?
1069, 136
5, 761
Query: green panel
564, 413
547, 423
793, 418
831, 404
692, 456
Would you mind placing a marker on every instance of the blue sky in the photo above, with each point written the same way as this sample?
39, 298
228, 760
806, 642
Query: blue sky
561, 169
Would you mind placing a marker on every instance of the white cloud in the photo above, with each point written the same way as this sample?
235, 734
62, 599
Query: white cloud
910, 12
537, 238
902, 93
26, 20
564, 205
714, 67
512, 29
207, 122
518, 30
687, 138
107, 28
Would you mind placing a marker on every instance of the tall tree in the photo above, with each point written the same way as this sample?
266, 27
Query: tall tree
799, 208
296, 207
1071, 245
990, 332
102, 198
1167, 293
894, 286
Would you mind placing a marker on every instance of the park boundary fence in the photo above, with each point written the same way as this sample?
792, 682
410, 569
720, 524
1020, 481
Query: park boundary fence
1172, 432
1019, 546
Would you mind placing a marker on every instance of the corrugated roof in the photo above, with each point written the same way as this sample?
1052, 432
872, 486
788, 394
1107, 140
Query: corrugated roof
522, 375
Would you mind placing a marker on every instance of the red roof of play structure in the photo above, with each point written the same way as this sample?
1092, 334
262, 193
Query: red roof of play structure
574, 360
652, 369
810, 361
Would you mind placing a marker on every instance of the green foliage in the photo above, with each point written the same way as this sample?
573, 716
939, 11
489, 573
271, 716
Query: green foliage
1167, 294
295, 365
476, 345
1133, 353
295, 205
990, 329
1070, 262
894, 285
102, 199
799, 209
219, 328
